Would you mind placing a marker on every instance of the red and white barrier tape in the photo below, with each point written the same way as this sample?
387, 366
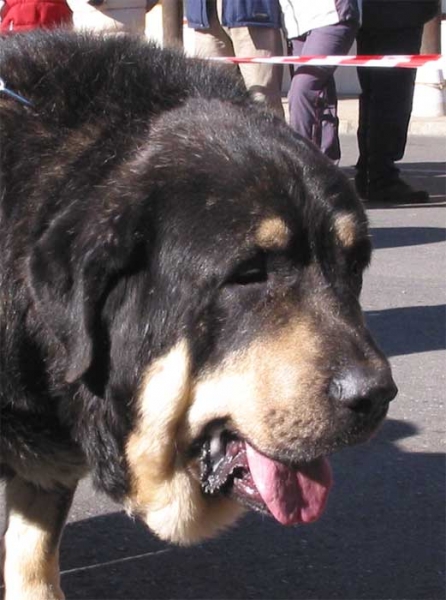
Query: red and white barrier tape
409, 61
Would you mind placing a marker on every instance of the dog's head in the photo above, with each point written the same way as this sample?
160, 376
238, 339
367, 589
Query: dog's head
208, 306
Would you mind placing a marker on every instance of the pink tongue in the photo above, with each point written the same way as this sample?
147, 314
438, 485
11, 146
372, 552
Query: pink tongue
292, 496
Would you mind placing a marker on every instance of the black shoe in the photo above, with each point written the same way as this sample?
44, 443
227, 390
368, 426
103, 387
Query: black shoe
397, 192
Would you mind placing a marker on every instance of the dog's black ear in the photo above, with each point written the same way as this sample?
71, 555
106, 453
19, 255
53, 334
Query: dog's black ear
70, 267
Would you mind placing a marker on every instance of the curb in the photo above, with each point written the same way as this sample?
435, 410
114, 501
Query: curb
434, 127
348, 120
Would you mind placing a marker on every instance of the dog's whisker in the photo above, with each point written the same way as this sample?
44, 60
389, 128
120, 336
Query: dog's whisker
114, 562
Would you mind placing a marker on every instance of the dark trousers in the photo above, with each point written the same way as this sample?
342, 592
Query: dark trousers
385, 103
312, 97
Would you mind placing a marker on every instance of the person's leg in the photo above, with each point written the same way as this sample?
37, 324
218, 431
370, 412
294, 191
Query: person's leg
364, 45
302, 106
329, 144
384, 123
213, 41
264, 81
312, 96
111, 17
391, 95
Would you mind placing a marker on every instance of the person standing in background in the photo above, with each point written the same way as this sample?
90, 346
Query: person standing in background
248, 28
23, 15
385, 103
112, 16
322, 27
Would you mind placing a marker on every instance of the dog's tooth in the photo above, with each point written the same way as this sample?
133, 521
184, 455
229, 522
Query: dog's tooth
215, 446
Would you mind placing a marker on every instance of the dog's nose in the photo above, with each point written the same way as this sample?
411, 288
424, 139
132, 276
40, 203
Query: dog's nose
362, 388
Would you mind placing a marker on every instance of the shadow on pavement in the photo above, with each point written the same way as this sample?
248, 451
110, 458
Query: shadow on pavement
409, 330
435, 169
382, 537
397, 237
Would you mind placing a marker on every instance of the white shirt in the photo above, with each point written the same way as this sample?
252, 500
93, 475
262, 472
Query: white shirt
301, 16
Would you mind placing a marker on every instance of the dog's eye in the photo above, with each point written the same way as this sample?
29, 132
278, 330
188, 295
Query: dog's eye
249, 272
356, 271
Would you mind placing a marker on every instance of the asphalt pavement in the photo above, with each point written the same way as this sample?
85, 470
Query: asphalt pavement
383, 534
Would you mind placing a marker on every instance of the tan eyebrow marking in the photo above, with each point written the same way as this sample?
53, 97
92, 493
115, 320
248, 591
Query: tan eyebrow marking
273, 234
346, 229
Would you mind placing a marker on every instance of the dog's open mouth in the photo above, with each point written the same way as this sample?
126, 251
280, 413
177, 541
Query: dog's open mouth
231, 466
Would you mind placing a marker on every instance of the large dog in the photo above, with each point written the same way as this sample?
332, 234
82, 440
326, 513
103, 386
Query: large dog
179, 311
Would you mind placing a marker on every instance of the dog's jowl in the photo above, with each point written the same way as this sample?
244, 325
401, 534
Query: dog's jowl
179, 300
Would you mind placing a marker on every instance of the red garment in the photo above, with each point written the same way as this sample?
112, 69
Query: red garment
21, 15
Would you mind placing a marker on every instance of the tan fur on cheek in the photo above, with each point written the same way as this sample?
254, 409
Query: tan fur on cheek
164, 493
163, 400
